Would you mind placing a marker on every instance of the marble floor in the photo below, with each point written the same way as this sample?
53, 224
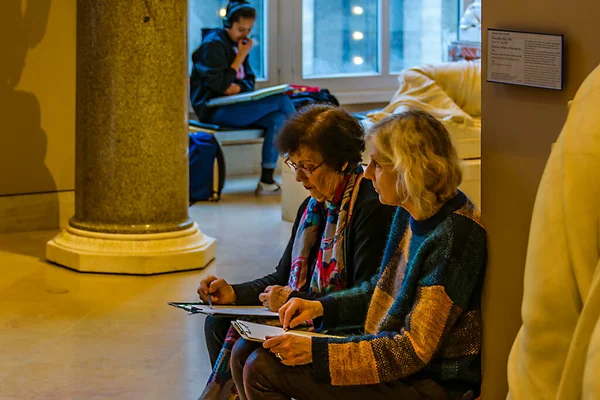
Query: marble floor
66, 335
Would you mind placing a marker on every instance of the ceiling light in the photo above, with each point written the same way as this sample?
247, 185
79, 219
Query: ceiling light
356, 10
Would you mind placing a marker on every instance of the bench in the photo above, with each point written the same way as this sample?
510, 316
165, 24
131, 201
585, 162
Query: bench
229, 136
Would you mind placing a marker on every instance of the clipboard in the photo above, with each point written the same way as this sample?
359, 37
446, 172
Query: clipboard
189, 307
226, 310
258, 332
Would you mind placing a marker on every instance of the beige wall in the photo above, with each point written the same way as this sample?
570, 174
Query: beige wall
519, 126
37, 96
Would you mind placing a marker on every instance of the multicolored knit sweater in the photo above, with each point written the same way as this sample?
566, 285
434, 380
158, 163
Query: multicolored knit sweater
421, 315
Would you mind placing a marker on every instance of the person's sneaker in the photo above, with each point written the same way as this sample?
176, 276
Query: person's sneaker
267, 188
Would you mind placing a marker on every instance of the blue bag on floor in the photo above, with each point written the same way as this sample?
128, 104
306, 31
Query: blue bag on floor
207, 167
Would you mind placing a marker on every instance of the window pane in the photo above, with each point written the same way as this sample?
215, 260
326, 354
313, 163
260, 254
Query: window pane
209, 14
421, 31
339, 37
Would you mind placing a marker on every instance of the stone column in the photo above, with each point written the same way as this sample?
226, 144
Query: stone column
131, 193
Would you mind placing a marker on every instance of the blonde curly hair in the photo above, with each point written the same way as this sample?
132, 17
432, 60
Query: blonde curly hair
419, 149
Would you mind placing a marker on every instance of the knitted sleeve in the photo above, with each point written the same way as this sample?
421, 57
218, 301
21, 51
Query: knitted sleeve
348, 309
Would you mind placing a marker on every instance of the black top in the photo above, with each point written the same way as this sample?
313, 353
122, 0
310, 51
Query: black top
367, 235
212, 73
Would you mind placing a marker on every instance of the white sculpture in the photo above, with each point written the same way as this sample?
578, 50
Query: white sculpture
470, 23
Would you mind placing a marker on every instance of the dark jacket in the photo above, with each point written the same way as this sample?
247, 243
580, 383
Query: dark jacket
212, 73
367, 235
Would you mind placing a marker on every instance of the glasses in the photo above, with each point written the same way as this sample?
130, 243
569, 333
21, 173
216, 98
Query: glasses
307, 172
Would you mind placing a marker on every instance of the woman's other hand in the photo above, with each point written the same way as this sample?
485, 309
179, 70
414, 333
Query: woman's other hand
275, 296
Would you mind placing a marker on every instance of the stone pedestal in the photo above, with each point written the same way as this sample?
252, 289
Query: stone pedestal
131, 194
145, 254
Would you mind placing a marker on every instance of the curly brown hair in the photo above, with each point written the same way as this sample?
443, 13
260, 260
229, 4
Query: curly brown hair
327, 129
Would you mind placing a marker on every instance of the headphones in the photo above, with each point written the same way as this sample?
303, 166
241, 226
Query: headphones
235, 8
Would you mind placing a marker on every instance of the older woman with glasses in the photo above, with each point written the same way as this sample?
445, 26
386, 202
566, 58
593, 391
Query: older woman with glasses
337, 239
421, 316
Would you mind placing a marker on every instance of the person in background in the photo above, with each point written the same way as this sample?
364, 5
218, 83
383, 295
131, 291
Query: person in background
221, 68
421, 314
556, 354
336, 242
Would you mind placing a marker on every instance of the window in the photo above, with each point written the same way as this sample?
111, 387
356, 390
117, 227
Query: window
210, 13
339, 38
355, 48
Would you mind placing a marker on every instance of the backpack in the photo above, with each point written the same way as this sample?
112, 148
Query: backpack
320, 96
207, 167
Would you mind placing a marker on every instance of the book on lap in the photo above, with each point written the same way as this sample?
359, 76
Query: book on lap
248, 96
231, 310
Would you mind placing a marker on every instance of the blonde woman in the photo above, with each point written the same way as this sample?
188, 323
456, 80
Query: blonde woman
421, 314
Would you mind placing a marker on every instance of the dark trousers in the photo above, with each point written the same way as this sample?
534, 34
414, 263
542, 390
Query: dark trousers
264, 377
239, 354
215, 331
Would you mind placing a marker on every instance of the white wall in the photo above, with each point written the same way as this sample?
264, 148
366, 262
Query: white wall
37, 96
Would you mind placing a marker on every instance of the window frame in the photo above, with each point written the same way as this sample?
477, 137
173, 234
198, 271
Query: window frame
272, 45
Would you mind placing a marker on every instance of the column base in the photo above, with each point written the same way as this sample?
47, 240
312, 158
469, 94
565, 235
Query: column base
136, 254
